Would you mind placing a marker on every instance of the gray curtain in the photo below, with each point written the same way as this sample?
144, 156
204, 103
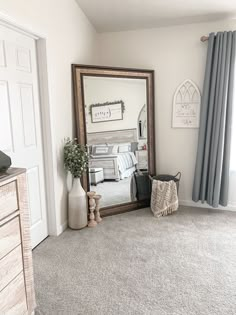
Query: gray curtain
211, 180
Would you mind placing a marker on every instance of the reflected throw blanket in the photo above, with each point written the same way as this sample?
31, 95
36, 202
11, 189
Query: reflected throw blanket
164, 198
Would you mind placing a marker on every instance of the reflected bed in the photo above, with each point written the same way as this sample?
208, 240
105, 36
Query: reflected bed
115, 167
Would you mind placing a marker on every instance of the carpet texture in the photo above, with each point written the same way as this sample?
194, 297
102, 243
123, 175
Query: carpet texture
183, 264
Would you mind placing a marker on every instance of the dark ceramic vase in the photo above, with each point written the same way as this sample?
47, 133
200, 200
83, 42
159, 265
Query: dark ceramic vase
5, 162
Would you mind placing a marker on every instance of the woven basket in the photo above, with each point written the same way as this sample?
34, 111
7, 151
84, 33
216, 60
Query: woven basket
166, 178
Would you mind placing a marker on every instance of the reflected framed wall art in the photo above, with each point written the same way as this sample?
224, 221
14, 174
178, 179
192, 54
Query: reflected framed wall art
108, 111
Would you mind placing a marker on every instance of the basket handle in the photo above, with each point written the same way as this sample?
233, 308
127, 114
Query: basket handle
178, 174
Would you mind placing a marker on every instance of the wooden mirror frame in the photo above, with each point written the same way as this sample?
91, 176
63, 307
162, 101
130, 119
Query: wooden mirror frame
78, 72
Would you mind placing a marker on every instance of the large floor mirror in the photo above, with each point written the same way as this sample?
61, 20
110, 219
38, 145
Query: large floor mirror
114, 110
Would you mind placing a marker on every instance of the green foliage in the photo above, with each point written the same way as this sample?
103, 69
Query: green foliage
75, 157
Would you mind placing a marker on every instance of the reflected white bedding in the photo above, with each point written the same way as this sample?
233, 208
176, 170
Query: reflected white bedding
125, 161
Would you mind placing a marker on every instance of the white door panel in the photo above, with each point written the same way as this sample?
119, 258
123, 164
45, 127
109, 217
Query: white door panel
6, 141
20, 120
2, 54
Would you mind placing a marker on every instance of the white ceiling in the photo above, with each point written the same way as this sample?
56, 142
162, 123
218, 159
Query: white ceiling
118, 15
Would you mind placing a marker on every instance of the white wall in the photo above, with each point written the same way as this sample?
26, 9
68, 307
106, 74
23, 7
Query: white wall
101, 90
175, 53
70, 38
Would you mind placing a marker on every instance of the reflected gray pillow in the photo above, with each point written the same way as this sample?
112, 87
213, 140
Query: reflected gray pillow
102, 150
134, 146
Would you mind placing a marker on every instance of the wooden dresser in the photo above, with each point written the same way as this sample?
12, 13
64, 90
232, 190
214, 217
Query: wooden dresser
16, 270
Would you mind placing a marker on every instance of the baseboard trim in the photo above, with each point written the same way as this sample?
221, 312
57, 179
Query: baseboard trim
190, 203
62, 228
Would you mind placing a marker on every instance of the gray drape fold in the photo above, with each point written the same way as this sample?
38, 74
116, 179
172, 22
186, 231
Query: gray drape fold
211, 180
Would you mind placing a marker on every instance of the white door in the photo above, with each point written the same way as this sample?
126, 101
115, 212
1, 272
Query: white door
20, 121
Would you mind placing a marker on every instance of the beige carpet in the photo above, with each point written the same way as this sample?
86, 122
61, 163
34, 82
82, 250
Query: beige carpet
183, 264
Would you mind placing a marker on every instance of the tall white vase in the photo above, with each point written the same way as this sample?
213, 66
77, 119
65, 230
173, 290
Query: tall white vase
78, 217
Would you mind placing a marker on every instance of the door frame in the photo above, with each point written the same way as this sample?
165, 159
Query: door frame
46, 118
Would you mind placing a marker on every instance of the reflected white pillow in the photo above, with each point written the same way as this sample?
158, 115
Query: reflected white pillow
124, 147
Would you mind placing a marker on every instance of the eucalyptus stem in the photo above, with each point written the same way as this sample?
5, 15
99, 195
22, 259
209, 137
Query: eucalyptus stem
76, 157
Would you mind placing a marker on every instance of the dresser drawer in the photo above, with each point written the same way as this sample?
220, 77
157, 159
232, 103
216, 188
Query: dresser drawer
9, 236
12, 298
8, 199
142, 153
10, 266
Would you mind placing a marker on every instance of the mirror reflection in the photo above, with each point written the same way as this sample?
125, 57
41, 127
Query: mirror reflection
116, 125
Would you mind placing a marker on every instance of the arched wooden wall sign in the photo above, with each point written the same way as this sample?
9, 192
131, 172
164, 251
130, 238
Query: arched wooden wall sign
186, 106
